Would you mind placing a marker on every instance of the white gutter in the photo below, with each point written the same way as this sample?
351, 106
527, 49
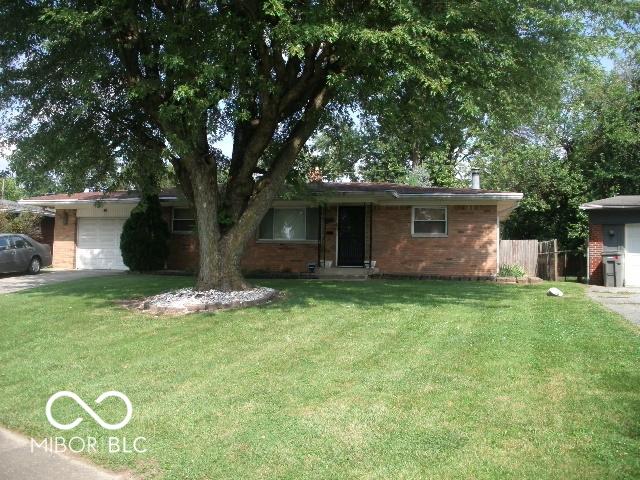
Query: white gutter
600, 207
435, 195
71, 201
464, 196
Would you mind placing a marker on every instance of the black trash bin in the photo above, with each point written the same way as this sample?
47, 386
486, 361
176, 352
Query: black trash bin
613, 269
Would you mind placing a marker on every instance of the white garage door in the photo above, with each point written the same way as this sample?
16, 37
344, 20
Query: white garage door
632, 257
99, 244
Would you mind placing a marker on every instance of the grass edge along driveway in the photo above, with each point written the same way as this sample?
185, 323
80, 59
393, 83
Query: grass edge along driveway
371, 379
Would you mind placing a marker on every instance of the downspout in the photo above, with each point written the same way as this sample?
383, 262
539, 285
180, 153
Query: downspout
497, 243
319, 233
589, 257
370, 233
324, 235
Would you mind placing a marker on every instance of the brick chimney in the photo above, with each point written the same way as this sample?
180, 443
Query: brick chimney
475, 179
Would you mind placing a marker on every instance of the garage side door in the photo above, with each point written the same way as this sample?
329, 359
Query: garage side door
632, 257
99, 244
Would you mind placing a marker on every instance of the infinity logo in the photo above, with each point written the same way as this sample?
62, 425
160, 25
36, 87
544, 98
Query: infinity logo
89, 410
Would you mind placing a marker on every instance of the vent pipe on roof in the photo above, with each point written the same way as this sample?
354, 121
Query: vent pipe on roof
475, 179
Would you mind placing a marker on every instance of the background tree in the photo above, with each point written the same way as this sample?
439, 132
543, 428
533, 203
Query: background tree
604, 143
270, 74
9, 188
553, 189
27, 223
590, 149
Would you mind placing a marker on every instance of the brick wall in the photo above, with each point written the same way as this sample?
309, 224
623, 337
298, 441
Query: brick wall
258, 257
595, 254
279, 257
183, 252
64, 244
183, 247
470, 248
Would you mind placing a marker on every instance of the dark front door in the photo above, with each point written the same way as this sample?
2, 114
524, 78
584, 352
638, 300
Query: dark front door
351, 236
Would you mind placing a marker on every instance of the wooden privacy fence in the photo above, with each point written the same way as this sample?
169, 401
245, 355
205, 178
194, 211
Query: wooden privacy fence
543, 259
539, 259
548, 259
521, 252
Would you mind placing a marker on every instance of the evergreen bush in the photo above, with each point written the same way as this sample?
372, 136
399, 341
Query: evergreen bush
145, 237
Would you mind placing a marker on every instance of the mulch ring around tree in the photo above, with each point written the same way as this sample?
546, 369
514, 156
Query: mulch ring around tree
188, 300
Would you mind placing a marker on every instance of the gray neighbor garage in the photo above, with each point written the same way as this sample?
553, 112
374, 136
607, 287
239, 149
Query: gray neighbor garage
614, 241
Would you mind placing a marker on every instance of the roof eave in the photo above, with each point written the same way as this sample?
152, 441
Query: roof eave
432, 195
588, 206
464, 196
74, 201
480, 196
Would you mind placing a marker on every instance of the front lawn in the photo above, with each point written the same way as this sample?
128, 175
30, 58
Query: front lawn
340, 380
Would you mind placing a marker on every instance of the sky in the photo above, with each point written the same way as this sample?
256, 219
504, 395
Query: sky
3, 158
225, 144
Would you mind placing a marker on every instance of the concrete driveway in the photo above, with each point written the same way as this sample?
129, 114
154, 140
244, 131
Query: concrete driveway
10, 283
625, 301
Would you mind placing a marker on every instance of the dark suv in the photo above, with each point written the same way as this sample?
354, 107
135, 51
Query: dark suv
20, 253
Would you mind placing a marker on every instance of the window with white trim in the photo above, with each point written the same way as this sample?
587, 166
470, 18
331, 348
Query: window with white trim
290, 224
183, 221
429, 221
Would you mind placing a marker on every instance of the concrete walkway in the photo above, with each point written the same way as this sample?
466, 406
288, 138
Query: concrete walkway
18, 462
625, 301
10, 283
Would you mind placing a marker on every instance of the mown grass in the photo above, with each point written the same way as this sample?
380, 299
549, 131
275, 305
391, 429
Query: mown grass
339, 380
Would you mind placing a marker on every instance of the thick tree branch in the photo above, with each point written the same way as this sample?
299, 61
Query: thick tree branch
253, 138
270, 185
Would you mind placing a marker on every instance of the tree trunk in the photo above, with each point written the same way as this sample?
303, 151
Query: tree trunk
221, 251
230, 276
219, 256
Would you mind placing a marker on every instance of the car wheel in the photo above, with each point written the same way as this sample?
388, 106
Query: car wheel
34, 266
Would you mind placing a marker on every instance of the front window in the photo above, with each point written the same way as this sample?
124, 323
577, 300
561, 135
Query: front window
289, 224
184, 220
429, 222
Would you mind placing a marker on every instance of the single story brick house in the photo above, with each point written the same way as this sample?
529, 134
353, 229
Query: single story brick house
614, 241
390, 228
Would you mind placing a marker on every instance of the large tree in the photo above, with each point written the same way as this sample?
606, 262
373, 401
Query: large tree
183, 73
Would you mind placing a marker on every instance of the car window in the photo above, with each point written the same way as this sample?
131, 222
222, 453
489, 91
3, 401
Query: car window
19, 242
4, 243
